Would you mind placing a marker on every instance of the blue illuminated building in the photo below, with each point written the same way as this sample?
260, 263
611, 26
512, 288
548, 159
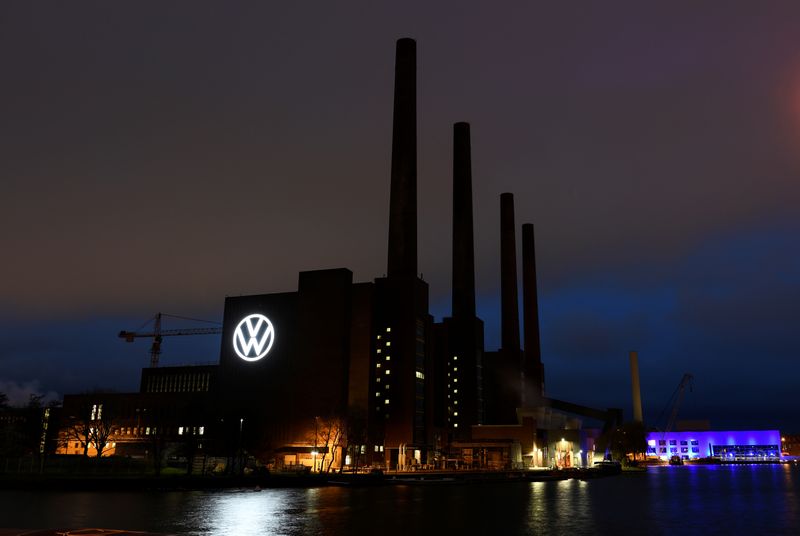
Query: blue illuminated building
740, 445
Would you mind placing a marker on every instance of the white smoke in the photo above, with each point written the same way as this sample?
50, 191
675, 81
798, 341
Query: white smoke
19, 393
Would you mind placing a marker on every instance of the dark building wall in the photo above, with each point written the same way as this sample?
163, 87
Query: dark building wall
402, 321
460, 367
361, 349
323, 362
501, 386
306, 374
258, 391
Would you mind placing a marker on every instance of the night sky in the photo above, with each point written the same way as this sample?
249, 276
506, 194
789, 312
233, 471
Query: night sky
159, 156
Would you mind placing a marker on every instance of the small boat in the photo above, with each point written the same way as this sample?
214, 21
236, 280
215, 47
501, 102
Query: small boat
675, 460
608, 467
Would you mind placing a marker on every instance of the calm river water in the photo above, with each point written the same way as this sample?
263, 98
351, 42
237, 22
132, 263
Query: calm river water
752, 500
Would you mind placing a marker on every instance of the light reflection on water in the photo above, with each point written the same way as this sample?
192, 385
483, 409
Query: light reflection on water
685, 500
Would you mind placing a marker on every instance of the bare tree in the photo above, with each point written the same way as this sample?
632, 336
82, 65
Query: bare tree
91, 427
330, 434
78, 431
100, 432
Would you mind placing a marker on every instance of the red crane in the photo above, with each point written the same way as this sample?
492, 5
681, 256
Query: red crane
157, 333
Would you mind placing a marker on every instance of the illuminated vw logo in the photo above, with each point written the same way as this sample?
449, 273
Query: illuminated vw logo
253, 337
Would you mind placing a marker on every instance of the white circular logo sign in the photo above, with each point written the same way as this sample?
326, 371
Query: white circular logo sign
253, 337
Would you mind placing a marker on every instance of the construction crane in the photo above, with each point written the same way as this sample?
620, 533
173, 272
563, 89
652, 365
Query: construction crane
157, 333
674, 401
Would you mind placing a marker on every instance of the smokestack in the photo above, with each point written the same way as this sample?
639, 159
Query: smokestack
533, 368
463, 242
403, 201
635, 389
508, 275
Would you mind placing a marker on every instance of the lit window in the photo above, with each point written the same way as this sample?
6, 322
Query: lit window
388, 358
377, 394
381, 448
94, 412
180, 430
378, 380
455, 425
386, 401
456, 402
455, 358
455, 390
388, 343
456, 414
455, 380
378, 365
420, 375
388, 371
376, 448
388, 330
387, 386
378, 337
379, 350
455, 369
100, 411
147, 431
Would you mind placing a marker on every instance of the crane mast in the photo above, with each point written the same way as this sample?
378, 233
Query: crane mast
686, 380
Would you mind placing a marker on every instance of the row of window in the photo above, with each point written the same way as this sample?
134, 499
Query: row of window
386, 372
452, 388
674, 442
673, 450
147, 430
178, 383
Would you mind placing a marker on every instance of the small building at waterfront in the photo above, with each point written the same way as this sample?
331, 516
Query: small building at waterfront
726, 446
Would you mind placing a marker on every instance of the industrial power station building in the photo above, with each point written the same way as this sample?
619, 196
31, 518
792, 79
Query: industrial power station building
358, 373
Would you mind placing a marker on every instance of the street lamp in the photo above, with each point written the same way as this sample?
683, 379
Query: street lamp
316, 432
